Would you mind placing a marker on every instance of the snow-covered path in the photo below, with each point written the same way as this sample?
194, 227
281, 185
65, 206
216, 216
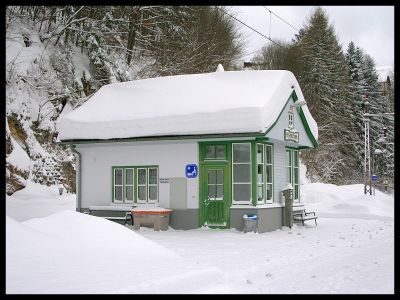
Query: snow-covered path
50, 248
338, 256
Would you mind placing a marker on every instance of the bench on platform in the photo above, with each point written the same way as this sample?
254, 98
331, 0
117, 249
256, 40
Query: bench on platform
106, 209
304, 216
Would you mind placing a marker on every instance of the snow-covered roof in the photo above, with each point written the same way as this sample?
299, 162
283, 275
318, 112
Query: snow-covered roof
210, 103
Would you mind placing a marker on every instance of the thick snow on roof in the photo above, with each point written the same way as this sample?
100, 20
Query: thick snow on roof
219, 102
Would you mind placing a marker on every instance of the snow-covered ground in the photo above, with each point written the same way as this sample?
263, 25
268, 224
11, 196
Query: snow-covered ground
350, 251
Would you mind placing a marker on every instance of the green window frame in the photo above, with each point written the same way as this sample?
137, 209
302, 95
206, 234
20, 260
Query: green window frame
129, 180
135, 184
292, 171
214, 152
269, 173
239, 166
265, 173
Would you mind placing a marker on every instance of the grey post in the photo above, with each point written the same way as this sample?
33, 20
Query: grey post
288, 194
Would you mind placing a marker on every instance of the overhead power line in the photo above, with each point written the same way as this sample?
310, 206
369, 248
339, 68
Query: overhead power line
250, 27
281, 18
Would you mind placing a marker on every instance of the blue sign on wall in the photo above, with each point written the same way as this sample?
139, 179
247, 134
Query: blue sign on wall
191, 171
374, 177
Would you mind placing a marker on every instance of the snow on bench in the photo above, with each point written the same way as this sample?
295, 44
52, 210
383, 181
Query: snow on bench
305, 216
111, 207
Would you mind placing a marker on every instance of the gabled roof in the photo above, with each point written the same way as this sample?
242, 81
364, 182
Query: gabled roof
210, 103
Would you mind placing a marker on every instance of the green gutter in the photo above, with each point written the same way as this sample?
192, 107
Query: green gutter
165, 137
78, 177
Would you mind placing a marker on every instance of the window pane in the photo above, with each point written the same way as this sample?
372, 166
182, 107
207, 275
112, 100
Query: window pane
220, 176
260, 173
212, 176
260, 153
141, 192
212, 191
241, 152
268, 154
241, 173
260, 193
296, 192
210, 151
295, 158
296, 175
142, 176
268, 173
220, 151
288, 158
153, 176
219, 191
129, 193
118, 176
152, 193
269, 191
129, 176
118, 193
242, 192
288, 175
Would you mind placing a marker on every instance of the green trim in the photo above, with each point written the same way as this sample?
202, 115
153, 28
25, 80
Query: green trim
273, 174
165, 137
203, 166
264, 173
291, 151
204, 192
253, 152
302, 117
251, 142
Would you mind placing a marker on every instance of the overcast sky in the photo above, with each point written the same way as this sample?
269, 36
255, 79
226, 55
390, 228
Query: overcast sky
369, 27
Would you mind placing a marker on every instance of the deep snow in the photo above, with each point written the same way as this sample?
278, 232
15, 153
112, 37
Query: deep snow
350, 251
178, 105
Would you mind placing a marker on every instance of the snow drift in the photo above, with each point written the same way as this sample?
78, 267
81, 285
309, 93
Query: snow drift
219, 102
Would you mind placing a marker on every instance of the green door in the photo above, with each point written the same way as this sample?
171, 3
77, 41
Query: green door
215, 196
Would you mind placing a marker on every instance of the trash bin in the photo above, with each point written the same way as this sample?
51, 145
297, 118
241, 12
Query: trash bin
250, 223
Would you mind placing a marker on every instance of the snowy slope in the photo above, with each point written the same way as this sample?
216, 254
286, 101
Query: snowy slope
351, 251
219, 102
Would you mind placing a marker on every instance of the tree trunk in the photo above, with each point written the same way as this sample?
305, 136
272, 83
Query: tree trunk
131, 34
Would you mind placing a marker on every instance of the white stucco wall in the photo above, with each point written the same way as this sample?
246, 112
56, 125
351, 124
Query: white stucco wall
171, 157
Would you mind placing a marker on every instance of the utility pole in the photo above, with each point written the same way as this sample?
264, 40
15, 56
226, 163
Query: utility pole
367, 152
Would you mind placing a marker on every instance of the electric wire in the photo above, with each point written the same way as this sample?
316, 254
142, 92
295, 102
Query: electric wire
250, 27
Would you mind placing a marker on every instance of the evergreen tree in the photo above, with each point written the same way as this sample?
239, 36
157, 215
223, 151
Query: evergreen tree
323, 76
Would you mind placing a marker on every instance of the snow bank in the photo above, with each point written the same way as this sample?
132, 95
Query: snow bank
218, 102
348, 201
70, 252
36, 201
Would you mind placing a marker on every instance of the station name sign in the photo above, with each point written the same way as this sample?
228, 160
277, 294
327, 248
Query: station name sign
291, 135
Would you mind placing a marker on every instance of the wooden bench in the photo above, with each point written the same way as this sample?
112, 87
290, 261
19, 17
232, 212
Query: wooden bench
305, 216
127, 209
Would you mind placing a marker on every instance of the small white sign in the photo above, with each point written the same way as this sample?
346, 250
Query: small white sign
164, 180
291, 135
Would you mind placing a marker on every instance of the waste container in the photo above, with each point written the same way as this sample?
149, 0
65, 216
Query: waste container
250, 223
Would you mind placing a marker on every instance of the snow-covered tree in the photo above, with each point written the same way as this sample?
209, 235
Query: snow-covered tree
322, 73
